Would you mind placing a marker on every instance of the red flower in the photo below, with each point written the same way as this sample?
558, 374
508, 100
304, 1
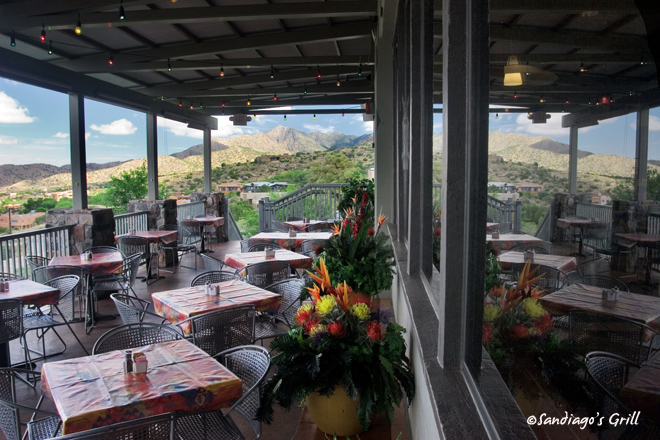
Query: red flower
309, 325
318, 249
519, 331
488, 334
302, 316
545, 324
374, 331
365, 199
371, 232
437, 232
336, 329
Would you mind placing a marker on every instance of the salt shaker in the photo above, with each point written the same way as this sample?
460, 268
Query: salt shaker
128, 362
217, 290
207, 288
4, 285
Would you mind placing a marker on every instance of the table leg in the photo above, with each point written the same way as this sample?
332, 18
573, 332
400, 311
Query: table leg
91, 315
150, 277
203, 249
5, 359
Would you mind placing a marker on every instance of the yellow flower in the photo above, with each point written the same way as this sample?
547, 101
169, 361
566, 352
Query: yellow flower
317, 329
325, 305
533, 308
305, 308
361, 310
491, 313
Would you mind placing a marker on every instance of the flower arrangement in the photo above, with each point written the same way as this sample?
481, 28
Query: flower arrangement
338, 339
357, 254
514, 321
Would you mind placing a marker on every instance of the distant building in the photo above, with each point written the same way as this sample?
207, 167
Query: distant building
20, 221
371, 173
533, 188
230, 187
253, 197
503, 187
274, 186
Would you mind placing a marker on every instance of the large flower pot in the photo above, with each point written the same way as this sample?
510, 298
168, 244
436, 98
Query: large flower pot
334, 415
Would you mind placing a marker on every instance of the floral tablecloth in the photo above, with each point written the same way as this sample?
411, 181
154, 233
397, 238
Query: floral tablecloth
93, 391
109, 262
164, 237
557, 261
301, 225
210, 221
30, 292
179, 305
297, 261
283, 239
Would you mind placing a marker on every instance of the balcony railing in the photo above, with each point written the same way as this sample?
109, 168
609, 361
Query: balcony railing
48, 243
315, 200
507, 214
601, 213
187, 210
134, 220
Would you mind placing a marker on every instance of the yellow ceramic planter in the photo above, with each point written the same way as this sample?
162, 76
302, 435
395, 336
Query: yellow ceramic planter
334, 415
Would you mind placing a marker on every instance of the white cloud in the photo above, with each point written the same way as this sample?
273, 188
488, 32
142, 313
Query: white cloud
61, 135
179, 128
437, 127
5, 140
118, 127
552, 127
226, 128
321, 128
654, 123
88, 135
11, 113
368, 126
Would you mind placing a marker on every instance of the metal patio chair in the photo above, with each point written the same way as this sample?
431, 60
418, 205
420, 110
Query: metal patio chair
214, 276
267, 325
159, 427
266, 273
212, 263
137, 335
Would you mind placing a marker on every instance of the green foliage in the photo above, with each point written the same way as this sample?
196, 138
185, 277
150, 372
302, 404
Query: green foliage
533, 213
355, 189
64, 203
299, 177
264, 189
333, 168
129, 185
40, 220
38, 205
163, 191
246, 217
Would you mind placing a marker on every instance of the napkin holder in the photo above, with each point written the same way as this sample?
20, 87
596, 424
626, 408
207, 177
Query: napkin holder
132, 232
270, 253
495, 235
609, 295
529, 256
306, 220
140, 362
292, 232
86, 256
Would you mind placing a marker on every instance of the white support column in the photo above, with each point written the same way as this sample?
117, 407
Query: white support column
152, 156
78, 152
572, 160
641, 155
207, 160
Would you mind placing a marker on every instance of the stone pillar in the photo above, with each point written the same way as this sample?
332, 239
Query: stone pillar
213, 207
159, 212
91, 227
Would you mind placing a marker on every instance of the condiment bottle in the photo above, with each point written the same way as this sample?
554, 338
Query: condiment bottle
4, 285
207, 288
128, 362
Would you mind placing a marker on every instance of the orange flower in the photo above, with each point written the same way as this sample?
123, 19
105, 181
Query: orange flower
323, 280
519, 331
342, 293
336, 229
349, 212
336, 329
497, 291
381, 219
354, 199
315, 291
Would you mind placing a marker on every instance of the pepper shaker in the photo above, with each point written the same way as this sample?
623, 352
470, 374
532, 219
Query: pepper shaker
128, 362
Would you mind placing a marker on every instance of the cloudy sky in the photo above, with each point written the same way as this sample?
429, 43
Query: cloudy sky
34, 128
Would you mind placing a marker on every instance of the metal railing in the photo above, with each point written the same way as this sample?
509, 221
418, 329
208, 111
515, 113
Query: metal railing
601, 213
231, 228
192, 209
135, 220
315, 200
48, 243
508, 214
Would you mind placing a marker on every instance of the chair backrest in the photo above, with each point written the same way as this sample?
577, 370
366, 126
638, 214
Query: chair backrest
10, 276
213, 276
265, 246
540, 247
598, 332
130, 309
131, 267
267, 272
102, 249
212, 263
11, 319
35, 261
128, 336
9, 416
189, 232
245, 245
290, 290
604, 281
315, 246
133, 245
67, 284
607, 375
323, 226
553, 280
160, 427
222, 329
251, 364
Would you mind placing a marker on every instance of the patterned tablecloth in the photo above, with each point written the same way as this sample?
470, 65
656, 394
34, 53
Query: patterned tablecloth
93, 391
642, 391
557, 261
299, 224
641, 308
507, 241
283, 239
210, 221
100, 263
297, 261
30, 292
179, 305
164, 237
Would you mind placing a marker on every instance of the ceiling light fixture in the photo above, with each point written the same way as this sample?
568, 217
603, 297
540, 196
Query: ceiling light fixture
275, 97
222, 70
582, 68
338, 83
642, 61
272, 72
43, 33
541, 100
360, 69
122, 15
516, 74
78, 26
314, 116
305, 90
248, 101
169, 66
110, 60
13, 39
50, 48
285, 117
318, 71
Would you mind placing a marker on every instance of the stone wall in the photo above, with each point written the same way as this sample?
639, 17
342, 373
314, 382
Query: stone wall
160, 212
631, 215
565, 203
91, 227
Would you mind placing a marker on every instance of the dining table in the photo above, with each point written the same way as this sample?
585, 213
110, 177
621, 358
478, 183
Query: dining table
492, 227
642, 391
285, 240
296, 260
561, 262
102, 263
164, 237
302, 225
633, 306
180, 304
207, 221
507, 241
93, 391
30, 293
646, 241
581, 224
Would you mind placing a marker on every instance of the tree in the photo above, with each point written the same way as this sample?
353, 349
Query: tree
335, 168
129, 185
